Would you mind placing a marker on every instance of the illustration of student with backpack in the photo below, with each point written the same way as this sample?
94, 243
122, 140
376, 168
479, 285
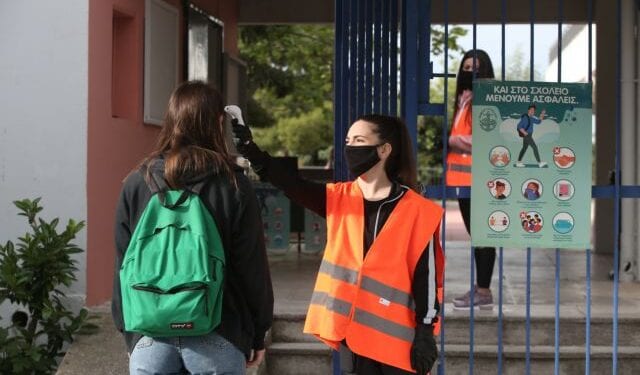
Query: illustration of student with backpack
192, 288
525, 131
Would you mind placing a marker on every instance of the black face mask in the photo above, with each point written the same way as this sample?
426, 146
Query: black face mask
361, 158
465, 79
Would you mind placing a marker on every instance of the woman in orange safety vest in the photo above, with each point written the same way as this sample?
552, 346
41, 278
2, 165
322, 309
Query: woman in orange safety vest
459, 170
373, 299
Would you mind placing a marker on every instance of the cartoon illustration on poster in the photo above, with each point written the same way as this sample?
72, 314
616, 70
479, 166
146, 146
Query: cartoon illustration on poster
274, 207
531, 164
315, 232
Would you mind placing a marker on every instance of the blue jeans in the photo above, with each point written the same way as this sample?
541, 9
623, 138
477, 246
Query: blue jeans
210, 354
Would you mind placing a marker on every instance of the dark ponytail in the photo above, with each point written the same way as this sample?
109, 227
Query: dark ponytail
401, 164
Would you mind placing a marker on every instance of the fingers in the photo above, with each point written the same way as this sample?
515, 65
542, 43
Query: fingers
256, 358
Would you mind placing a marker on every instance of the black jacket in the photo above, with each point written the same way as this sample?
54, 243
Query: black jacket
247, 307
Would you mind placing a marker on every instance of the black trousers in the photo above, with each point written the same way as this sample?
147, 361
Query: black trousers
527, 141
353, 364
485, 257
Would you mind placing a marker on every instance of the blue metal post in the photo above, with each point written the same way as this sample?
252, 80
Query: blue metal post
341, 86
503, 16
340, 109
361, 40
353, 62
472, 273
528, 316
384, 108
445, 122
556, 364
532, 21
528, 308
616, 210
587, 344
377, 54
368, 53
424, 44
410, 69
393, 71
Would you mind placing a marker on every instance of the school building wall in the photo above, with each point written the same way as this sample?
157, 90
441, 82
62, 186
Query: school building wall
43, 102
118, 138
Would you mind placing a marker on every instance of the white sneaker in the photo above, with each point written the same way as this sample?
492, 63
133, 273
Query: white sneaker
519, 165
542, 164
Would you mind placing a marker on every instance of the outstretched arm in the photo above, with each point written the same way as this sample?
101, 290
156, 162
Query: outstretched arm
309, 194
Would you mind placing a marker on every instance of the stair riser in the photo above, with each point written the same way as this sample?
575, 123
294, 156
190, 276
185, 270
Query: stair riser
541, 333
290, 331
568, 366
294, 364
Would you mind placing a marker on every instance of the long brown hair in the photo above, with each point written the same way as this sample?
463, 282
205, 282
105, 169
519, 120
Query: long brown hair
401, 164
192, 139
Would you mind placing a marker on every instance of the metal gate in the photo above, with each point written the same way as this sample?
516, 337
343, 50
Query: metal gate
376, 39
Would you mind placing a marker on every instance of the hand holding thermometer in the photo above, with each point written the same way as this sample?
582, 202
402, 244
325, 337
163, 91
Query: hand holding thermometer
241, 134
236, 114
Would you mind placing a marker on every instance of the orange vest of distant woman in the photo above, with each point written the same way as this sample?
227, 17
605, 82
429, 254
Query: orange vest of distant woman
459, 163
368, 300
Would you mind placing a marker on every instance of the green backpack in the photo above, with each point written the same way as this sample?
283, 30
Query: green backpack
172, 273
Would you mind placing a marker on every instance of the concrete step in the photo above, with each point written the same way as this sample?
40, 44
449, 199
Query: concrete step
300, 358
572, 360
315, 358
287, 327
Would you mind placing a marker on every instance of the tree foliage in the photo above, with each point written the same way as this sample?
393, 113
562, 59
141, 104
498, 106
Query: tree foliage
290, 69
520, 70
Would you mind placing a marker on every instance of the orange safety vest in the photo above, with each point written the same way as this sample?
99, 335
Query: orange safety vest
368, 301
459, 164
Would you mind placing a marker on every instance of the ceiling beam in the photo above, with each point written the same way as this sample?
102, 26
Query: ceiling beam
460, 11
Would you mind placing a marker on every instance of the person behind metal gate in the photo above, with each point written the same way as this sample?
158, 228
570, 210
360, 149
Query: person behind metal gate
191, 147
459, 171
378, 292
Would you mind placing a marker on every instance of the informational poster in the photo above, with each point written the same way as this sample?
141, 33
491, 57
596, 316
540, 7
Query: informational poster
315, 232
274, 207
531, 169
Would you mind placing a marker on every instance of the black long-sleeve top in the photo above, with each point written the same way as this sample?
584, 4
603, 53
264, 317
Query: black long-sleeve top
313, 196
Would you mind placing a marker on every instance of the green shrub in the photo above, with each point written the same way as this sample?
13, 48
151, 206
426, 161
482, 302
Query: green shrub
32, 271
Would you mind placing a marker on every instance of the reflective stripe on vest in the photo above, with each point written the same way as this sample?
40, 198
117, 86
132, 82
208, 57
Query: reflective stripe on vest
338, 272
387, 293
458, 169
330, 303
368, 301
385, 326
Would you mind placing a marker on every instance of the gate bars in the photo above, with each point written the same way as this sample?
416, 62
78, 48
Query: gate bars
367, 59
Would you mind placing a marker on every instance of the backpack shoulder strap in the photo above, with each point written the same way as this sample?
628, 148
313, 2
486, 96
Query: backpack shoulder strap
528, 119
154, 178
156, 183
